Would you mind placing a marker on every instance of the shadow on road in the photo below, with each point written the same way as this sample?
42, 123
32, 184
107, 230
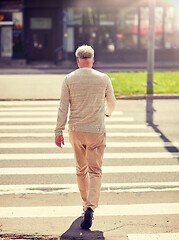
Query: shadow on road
149, 119
75, 232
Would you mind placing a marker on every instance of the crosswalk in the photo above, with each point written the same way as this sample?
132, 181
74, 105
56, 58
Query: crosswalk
110, 210
136, 161
166, 236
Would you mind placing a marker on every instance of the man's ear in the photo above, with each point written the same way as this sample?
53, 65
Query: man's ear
77, 59
93, 60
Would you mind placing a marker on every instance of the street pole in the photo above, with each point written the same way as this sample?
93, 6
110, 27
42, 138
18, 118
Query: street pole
151, 46
150, 62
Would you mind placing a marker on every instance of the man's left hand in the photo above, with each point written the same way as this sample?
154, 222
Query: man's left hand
59, 141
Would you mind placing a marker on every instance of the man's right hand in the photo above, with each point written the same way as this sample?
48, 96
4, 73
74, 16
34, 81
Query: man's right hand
59, 141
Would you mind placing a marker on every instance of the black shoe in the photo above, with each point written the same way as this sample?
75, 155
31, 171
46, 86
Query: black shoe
88, 217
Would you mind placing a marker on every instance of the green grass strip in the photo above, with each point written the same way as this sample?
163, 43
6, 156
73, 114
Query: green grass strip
135, 83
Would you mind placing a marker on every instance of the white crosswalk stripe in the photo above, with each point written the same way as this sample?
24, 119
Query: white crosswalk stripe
111, 134
109, 144
4, 111
27, 138
160, 236
32, 113
53, 119
52, 127
29, 103
110, 210
37, 112
40, 156
106, 187
106, 169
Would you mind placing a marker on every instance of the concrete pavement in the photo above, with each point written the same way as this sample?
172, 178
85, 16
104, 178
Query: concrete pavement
30, 86
40, 86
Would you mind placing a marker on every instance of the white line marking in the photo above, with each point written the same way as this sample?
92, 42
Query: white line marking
27, 103
27, 120
28, 112
53, 119
108, 134
52, 126
73, 188
52, 191
9, 109
24, 114
105, 169
41, 156
110, 210
133, 134
159, 236
110, 144
26, 127
127, 126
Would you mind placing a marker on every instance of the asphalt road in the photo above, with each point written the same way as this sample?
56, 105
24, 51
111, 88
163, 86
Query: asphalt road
140, 190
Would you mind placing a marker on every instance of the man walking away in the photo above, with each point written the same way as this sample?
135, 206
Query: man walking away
86, 91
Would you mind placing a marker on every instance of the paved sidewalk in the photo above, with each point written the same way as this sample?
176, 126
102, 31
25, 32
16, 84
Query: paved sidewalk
47, 87
30, 87
42, 81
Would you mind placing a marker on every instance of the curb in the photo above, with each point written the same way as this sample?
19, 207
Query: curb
28, 237
149, 96
134, 97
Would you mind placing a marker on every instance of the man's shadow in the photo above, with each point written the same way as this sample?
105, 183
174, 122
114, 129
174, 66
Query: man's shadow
76, 233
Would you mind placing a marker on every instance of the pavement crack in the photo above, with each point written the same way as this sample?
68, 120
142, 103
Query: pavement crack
148, 225
113, 229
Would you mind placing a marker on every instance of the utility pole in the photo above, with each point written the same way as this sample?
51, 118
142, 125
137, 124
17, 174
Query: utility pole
151, 46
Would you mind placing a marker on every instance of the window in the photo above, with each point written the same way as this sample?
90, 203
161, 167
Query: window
106, 17
159, 28
127, 28
91, 16
73, 16
171, 28
110, 29
91, 36
6, 42
144, 25
18, 44
106, 39
40, 23
17, 20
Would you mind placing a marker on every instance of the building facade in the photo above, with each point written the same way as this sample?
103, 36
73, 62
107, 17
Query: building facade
43, 30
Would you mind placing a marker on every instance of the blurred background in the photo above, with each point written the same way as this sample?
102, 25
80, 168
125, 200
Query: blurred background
43, 30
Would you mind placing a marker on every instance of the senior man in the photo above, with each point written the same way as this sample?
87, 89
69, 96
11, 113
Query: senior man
86, 91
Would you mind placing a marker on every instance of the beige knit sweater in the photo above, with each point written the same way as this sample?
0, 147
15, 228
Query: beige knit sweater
85, 91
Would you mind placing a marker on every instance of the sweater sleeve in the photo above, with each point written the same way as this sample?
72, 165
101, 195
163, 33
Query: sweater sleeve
110, 98
63, 109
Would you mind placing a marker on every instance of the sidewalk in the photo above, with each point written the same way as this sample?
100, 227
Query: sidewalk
42, 81
48, 87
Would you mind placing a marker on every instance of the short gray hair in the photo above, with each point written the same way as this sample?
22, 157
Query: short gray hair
84, 51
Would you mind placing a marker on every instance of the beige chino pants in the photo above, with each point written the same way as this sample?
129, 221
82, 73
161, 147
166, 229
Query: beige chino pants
89, 150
